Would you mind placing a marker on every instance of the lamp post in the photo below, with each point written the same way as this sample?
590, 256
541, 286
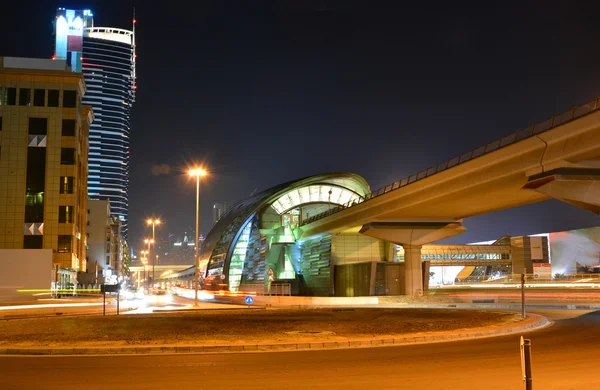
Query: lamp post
149, 241
197, 173
147, 268
153, 222
144, 253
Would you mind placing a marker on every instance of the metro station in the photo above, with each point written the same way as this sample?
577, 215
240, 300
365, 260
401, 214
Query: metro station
332, 235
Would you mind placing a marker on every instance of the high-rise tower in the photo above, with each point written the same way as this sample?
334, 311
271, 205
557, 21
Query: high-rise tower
106, 56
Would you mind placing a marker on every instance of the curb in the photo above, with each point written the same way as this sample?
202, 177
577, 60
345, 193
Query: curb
489, 306
532, 322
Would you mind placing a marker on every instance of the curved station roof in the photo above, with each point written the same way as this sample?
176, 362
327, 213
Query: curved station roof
235, 250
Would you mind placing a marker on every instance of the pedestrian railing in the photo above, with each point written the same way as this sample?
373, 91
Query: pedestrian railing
538, 128
284, 289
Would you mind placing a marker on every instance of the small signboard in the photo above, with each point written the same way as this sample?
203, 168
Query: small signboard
249, 300
271, 272
109, 288
542, 271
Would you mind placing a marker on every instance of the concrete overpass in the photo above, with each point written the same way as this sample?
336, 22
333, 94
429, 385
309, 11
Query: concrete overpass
557, 158
140, 272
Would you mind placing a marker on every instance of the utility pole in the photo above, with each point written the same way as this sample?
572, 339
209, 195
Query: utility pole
523, 314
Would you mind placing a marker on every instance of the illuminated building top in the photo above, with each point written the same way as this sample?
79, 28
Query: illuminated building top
110, 34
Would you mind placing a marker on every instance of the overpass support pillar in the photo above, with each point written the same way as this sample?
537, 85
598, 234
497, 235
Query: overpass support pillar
413, 275
412, 235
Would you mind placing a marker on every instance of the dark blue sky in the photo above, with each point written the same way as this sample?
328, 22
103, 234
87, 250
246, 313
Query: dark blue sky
269, 91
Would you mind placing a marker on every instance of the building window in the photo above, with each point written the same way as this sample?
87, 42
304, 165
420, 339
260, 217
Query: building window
35, 185
65, 214
67, 156
11, 97
53, 97
38, 126
0, 123
39, 97
24, 97
107, 260
68, 127
64, 243
33, 242
70, 99
66, 184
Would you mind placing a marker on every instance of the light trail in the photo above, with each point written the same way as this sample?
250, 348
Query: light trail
518, 285
49, 305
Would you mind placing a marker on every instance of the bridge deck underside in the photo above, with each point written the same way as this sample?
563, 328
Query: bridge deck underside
490, 182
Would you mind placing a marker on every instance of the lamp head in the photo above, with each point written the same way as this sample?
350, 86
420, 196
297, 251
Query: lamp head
152, 221
197, 172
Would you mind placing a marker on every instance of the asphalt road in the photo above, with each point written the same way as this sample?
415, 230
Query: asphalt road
93, 306
565, 356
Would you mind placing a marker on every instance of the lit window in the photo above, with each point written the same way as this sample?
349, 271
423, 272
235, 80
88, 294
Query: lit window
65, 214
64, 243
66, 184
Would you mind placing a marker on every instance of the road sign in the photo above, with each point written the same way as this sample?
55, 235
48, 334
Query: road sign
223, 276
249, 300
271, 272
271, 278
542, 271
109, 288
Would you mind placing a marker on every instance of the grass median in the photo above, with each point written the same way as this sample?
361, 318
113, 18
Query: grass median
241, 326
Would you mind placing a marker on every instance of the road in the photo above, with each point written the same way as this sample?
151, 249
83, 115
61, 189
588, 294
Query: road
565, 356
93, 306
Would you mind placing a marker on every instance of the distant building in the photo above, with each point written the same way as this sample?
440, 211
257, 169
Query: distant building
178, 249
219, 209
217, 212
43, 161
106, 56
105, 244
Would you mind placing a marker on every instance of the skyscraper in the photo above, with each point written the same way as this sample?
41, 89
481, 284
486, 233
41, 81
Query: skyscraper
106, 56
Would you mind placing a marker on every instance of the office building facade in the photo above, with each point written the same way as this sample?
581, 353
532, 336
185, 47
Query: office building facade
106, 56
105, 244
43, 159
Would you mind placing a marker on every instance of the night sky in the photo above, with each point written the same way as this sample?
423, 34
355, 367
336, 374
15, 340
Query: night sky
269, 91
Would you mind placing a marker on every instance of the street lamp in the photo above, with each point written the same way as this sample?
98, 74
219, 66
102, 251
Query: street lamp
144, 259
197, 173
149, 241
153, 222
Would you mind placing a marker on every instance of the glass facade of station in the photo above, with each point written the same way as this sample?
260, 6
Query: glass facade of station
261, 232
